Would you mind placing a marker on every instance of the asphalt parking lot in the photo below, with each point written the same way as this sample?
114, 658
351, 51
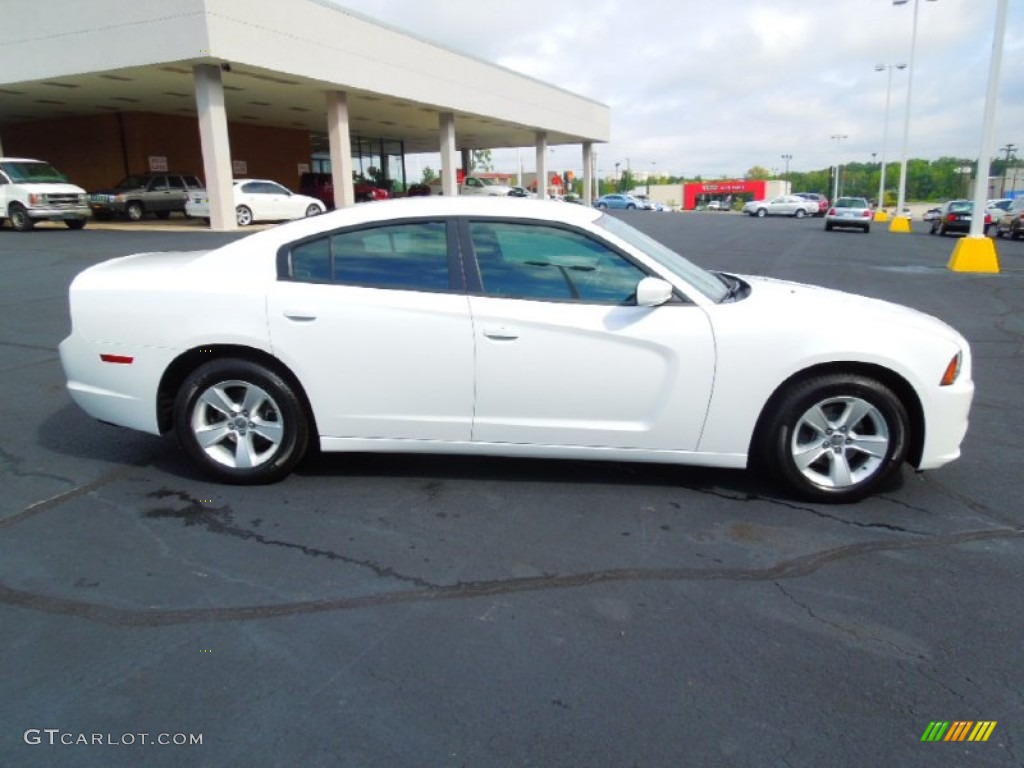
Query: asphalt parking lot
437, 611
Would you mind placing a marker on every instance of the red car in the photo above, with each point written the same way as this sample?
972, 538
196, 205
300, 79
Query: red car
821, 200
321, 186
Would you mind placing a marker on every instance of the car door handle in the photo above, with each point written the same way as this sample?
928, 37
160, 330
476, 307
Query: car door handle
299, 317
501, 333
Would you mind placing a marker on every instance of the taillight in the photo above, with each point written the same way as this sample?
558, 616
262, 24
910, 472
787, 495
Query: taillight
951, 217
831, 211
866, 215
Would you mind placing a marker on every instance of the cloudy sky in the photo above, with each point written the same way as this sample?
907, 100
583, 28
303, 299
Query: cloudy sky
713, 88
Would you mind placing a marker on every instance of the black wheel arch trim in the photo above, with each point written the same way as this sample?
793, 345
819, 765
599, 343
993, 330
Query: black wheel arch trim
183, 365
900, 387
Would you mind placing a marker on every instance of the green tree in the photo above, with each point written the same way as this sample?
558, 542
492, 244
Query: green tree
758, 173
429, 174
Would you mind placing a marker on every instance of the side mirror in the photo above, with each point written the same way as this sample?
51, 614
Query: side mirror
652, 292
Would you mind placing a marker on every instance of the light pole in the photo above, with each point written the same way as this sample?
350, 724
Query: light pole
900, 222
787, 158
837, 137
880, 214
1009, 149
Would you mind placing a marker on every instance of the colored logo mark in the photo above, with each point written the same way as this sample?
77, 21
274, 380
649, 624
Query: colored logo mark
958, 730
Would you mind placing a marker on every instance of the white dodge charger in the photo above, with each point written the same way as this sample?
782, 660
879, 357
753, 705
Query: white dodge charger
513, 328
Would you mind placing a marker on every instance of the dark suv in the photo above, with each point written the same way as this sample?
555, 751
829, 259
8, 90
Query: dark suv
135, 196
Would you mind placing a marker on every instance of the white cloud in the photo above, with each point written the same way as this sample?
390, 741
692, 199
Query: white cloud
712, 88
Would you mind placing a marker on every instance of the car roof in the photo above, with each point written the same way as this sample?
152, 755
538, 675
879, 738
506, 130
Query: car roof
418, 207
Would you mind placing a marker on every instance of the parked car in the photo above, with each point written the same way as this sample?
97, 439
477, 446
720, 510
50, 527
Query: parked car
818, 198
418, 190
784, 205
1012, 221
996, 208
956, 216
321, 186
849, 212
714, 205
619, 200
543, 330
258, 200
931, 214
519, 192
134, 196
32, 190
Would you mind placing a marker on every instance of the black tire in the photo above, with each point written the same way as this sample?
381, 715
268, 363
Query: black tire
602, 206
1015, 234
74, 223
20, 220
630, 207
867, 229
134, 211
934, 230
163, 215
828, 226
810, 419
273, 437
942, 230
761, 213
243, 216
800, 213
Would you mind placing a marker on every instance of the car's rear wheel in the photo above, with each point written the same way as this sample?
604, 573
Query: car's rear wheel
602, 206
134, 211
835, 438
867, 229
828, 226
313, 210
761, 213
800, 213
19, 217
74, 223
243, 215
241, 422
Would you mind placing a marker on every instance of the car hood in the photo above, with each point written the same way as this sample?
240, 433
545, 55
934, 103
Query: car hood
793, 303
49, 187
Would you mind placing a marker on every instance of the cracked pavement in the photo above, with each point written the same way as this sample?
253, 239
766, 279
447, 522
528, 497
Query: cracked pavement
418, 610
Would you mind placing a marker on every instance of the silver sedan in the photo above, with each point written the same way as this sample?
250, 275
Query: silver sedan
784, 205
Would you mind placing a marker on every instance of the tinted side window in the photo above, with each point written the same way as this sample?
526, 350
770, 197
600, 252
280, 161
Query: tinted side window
532, 261
410, 256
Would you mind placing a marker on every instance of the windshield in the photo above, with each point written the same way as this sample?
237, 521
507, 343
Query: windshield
40, 173
486, 182
704, 281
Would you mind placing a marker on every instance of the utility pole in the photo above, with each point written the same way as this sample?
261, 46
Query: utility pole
1009, 149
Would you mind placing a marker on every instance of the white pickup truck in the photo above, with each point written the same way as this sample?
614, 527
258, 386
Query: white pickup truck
31, 191
475, 185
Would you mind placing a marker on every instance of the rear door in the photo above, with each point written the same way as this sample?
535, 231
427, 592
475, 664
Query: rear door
376, 324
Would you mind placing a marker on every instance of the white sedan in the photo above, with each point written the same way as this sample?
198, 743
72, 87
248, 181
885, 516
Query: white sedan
513, 328
783, 205
258, 200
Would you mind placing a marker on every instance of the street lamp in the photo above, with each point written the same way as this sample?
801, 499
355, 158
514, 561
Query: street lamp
901, 223
838, 137
880, 214
787, 158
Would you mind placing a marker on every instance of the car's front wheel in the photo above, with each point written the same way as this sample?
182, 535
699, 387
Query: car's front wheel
134, 211
835, 438
761, 213
19, 217
800, 213
241, 422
